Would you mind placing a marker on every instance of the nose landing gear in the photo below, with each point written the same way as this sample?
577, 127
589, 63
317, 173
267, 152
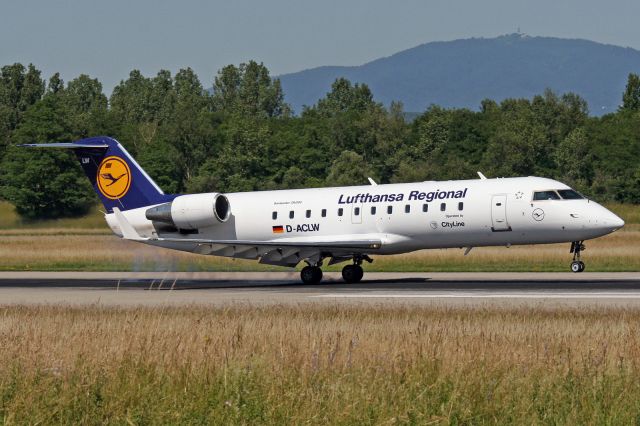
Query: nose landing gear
577, 265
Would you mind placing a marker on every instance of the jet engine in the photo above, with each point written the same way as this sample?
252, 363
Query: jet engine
192, 211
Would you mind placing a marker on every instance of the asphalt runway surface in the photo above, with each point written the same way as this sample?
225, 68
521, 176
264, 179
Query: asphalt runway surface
158, 288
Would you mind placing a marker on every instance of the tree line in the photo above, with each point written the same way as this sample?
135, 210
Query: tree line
242, 136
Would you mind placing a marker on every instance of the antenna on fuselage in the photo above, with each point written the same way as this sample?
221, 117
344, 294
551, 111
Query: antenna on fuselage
483, 177
372, 182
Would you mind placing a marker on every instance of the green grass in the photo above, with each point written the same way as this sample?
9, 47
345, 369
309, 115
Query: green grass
9, 219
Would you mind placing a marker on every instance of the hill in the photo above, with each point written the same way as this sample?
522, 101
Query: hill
461, 73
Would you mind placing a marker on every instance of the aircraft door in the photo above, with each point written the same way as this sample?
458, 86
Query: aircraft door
499, 213
356, 213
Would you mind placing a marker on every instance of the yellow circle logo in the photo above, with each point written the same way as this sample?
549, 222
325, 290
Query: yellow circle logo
114, 177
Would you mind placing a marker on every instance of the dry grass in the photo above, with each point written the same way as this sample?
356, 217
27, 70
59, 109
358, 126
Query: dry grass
319, 364
92, 249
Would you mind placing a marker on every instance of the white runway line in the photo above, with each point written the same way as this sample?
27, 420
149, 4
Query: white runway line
589, 295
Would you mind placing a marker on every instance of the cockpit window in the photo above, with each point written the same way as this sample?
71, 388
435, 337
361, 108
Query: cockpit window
570, 194
545, 195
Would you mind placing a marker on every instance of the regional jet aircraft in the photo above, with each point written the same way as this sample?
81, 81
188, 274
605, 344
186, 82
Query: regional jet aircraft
344, 224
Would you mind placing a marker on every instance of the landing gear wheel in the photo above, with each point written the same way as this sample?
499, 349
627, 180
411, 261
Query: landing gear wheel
352, 273
576, 248
576, 267
311, 275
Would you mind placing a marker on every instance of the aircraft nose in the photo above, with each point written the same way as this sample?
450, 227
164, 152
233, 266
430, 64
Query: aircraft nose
615, 220
611, 220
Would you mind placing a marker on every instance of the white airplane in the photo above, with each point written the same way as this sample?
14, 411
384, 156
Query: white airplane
333, 225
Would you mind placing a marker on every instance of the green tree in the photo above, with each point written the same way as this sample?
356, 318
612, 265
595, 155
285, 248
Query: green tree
574, 161
631, 96
345, 97
86, 105
44, 184
293, 178
19, 89
349, 169
249, 90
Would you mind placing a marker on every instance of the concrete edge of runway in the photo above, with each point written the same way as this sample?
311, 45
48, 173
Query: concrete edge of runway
223, 288
294, 275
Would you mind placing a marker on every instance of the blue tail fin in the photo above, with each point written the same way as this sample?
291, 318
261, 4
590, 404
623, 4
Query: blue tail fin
116, 177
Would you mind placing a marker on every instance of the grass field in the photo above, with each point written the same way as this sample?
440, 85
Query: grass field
87, 244
319, 364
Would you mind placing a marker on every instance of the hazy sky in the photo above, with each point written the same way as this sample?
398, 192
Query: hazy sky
108, 38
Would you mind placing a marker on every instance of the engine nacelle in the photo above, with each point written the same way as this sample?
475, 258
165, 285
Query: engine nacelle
192, 211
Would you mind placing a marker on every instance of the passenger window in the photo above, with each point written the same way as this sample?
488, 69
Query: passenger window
425, 207
407, 208
389, 209
324, 213
274, 215
291, 214
460, 205
545, 195
443, 207
356, 211
308, 213
340, 211
373, 209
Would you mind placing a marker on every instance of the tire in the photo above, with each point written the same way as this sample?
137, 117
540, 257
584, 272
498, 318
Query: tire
576, 267
311, 275
582, 265
352, 273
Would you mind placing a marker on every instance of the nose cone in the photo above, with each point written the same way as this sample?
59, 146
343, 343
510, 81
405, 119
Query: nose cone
614, 220
602, 220
608, 221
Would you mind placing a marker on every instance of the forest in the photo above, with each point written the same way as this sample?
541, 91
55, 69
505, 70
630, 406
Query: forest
242, 136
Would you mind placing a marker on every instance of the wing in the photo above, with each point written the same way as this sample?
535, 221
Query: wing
282, 252
275, 252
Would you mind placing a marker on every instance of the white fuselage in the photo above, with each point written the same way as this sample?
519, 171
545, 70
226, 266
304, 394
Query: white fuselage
471, 213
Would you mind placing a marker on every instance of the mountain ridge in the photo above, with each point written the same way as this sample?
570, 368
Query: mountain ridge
461, 73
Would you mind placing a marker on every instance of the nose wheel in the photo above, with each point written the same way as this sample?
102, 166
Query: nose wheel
577, 265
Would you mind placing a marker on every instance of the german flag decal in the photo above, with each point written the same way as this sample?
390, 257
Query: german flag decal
279, 229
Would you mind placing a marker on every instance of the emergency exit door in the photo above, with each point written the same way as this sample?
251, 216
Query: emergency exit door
499, 213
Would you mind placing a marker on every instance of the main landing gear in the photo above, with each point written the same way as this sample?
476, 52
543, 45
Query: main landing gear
352, 273
312, 274
577, 265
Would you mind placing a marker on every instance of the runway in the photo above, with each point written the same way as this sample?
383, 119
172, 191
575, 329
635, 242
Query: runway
221, 288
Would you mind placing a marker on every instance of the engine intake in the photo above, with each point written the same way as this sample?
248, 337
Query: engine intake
192, 211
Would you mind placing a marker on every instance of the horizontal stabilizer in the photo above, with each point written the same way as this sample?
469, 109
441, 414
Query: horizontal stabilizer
70, 145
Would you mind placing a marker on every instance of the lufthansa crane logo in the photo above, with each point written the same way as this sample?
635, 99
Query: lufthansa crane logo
538, 215
114, 177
